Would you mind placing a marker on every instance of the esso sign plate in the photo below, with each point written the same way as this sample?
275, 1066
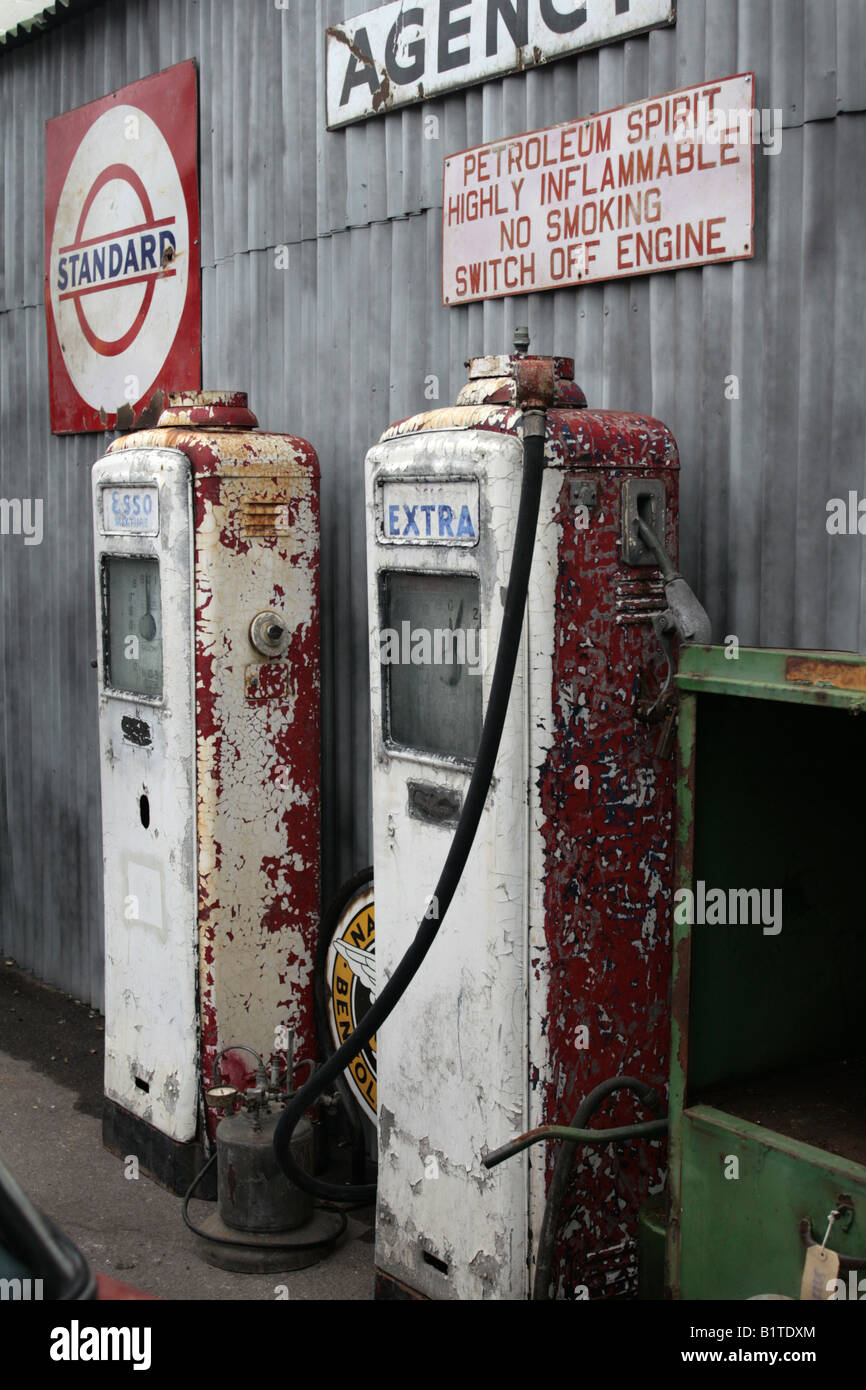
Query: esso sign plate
122, 262
130, 510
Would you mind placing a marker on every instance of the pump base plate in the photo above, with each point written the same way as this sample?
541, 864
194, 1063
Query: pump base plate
389, 1289
169, 1162
265, 1258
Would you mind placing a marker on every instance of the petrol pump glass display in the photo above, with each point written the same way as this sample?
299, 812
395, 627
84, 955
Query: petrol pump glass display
132, 625
431, 657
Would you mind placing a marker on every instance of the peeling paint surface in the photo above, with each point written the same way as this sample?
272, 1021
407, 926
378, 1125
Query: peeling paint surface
562, 919
607, 863
450, 1059
151, 1029
257, 732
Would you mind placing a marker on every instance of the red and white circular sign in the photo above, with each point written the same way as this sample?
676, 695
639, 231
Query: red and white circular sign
122, 254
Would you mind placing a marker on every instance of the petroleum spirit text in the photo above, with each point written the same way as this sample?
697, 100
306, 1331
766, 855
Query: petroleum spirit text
623, 193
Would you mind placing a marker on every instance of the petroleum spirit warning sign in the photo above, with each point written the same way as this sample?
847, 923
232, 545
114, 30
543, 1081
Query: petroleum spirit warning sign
122, 266
659, 185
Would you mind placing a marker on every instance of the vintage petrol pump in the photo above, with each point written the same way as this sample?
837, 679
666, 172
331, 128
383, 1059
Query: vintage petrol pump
207, 553
551, 971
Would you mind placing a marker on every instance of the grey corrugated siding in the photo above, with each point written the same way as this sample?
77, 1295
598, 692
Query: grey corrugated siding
342, 342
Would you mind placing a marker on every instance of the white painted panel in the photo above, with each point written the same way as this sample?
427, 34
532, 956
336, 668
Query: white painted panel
452, 1059
147, 750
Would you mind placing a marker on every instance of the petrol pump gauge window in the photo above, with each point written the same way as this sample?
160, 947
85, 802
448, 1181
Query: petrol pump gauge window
431, 655
132, 626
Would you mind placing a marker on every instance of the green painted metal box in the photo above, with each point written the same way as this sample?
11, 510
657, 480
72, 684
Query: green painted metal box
768, 1070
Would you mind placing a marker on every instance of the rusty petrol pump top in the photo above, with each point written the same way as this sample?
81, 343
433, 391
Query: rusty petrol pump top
228, 763
551, 972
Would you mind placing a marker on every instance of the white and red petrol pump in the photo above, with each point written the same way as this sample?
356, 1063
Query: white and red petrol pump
551, 971
207, 557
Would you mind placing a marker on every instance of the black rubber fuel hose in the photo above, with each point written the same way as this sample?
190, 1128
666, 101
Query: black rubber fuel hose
534, 431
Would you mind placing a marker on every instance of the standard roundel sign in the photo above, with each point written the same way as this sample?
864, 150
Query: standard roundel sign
122, 266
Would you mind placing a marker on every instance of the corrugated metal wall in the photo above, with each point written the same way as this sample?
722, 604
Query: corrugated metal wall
343, 341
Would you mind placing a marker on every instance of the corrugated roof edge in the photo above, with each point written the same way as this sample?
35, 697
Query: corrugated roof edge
39, 24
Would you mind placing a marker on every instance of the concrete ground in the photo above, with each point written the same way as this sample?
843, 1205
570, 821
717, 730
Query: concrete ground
51, 1049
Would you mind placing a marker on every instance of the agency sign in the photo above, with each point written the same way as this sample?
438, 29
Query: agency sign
662, 184
122, 264
403, 52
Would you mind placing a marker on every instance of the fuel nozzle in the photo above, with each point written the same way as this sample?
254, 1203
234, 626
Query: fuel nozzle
685, 614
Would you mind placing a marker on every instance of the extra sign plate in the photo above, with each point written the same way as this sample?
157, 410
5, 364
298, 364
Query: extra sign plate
662, 184
122, 263
429, 512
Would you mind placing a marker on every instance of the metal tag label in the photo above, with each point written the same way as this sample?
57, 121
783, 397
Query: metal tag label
819, 1275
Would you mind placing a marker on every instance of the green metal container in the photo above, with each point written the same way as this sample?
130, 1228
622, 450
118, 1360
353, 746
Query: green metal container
768, 1077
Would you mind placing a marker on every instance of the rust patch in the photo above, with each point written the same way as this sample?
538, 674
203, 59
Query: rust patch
805, 670
384, 95
335, 32
533, 377
152, 411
